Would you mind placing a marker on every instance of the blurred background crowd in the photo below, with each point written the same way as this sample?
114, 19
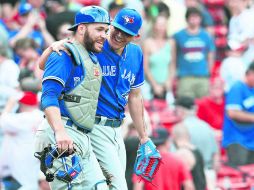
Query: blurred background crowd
199, 89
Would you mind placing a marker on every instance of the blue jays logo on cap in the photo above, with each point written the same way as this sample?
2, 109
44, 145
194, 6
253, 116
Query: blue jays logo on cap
128, 19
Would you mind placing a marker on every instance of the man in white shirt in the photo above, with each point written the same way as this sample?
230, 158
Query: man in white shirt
9, 73
17, 154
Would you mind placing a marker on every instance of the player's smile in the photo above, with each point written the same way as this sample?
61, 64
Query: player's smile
100, 43
118, 39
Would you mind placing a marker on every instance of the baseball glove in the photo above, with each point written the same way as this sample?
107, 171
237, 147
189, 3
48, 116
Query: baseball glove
148, 161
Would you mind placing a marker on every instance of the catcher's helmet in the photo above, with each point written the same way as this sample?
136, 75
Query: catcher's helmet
91, 14
128, 20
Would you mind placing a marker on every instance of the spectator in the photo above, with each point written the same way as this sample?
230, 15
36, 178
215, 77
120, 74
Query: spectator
9, 73
232, 69
33, 26
192, 57
63, 32
30, 74
155, 8
182, 142
211, 108
173, 174
201, 134
177, 21
240, 48
114, 7
58, 16
19, 135
238, 129
239, 37
7, 9
207, 20
4, 40
178, 10
157, 59
152, 9
38, 5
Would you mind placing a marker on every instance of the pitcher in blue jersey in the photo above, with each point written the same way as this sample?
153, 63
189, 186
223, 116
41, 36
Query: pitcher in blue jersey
70, 90
122, 68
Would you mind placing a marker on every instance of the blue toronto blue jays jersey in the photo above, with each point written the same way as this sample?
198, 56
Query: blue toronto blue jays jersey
120, 75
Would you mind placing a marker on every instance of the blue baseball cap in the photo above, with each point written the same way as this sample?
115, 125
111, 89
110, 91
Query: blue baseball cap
128, 20
24, 8
91, 14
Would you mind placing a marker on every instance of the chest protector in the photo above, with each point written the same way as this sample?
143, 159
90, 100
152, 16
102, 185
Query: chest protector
81, 102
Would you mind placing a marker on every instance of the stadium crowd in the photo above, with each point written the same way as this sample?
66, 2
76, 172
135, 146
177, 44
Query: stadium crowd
198, 93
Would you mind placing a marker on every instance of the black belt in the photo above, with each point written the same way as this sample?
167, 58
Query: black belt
71, 124
109, 122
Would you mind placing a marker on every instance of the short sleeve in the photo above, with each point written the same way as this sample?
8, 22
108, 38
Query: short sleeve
234, 98
211, 45
58, 68
140, 77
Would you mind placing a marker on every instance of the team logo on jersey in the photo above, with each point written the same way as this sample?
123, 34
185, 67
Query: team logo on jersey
96, 71
128, 20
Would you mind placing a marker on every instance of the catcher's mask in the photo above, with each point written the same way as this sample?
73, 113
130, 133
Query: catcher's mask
65, 171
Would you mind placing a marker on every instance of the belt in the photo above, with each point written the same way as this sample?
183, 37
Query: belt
109, 122
71, 124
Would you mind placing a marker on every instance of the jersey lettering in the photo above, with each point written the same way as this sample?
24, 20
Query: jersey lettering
108, 70
129, 76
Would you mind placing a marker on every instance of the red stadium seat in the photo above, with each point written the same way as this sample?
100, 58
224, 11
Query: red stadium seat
226, 171
233, 184
220, 30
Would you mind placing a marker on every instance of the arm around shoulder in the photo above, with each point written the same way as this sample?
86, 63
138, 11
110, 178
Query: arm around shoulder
57, 47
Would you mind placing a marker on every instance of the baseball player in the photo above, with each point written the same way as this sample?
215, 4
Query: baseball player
70, 90
122, 68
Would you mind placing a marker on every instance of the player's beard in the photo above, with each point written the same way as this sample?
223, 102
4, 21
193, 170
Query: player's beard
89, 42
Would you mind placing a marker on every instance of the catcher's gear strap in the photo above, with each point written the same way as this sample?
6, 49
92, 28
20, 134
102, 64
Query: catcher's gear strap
148, 161
70, 98
81, 101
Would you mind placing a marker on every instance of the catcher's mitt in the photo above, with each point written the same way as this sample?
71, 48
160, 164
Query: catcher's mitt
148, 161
